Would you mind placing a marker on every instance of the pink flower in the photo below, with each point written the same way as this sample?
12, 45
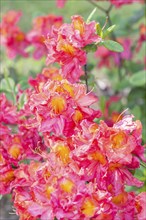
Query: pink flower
6, 178
119, 3
70, 58
142, 37
41, 27
12, 37
140, 206
83, 33
61, 3
8, 113
11, 18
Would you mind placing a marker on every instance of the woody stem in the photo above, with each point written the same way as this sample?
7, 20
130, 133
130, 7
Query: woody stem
86, 77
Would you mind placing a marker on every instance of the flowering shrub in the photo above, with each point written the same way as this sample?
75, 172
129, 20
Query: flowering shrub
59, 159
87, 166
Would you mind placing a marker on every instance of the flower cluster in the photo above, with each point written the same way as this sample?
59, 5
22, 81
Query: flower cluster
85, 172
55, 160
65, 46
17, 42
12, 37
59, 106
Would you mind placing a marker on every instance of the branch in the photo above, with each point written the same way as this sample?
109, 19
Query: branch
94, 4
86, 77
107, 12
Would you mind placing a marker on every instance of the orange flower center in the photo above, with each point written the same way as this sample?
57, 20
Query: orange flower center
118, 140
66, 47
58, 104
98, 157
49, 190
93, 128
79, 25
120, 199
67, 186
14, 151
114, 166
20, 37
7, 177
63, 152
77, 116
88, 208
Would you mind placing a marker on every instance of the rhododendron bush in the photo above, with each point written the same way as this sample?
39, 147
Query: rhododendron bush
67, 151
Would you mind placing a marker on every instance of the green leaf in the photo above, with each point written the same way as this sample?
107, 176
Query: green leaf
138, 79
7, 84
109, 30
22, 100
24, 84
30, 49
99, 30
1, 196
102, 102
136, 111
90, 48
112, 45
91, 15
133, 67
120, 85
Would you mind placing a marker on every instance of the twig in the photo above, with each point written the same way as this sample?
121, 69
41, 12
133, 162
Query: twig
106, 21
107, 12
86, 77
99, 7
109, 9
143, 164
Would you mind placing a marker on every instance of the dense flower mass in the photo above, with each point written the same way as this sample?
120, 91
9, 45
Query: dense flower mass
59, 106
65, 46
58, 158
88, 165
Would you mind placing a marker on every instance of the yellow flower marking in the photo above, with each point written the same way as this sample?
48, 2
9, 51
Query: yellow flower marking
7, 177
88, 208
14, 151
78, 24
118, 139
49, 190
67, 186
58, 104
77, 116
98, 157
120, 199
63, 152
